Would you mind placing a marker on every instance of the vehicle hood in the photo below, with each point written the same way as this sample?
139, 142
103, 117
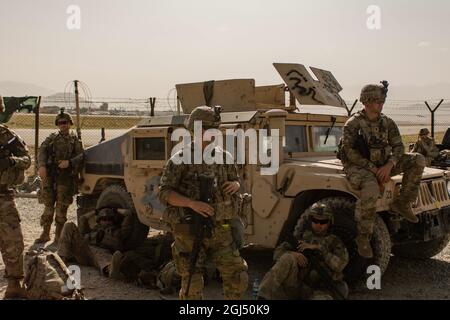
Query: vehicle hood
332, 165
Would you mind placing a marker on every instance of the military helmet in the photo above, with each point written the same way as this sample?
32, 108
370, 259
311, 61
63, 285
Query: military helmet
424, 132
210, 117
321, 211
374, 93
62, 115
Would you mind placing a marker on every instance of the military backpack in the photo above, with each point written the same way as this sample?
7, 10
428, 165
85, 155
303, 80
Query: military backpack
47, 277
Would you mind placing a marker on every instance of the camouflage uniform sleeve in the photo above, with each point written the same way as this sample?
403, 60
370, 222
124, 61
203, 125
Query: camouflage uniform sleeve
433, 150
395, 140
170, 180
282, 249
336, 255
20, 155
42, 157
126, 227
232, 171
417, 147
83, 225
349, 137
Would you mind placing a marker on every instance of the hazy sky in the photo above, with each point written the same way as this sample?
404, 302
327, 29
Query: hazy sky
141, 48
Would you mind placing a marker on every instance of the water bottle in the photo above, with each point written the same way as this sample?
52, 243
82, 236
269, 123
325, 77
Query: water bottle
255, 288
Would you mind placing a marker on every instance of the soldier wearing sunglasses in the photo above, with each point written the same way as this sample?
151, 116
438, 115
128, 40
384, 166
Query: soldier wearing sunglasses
59, 166
292, 277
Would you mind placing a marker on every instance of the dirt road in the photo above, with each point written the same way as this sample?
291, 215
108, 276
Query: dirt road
404, 279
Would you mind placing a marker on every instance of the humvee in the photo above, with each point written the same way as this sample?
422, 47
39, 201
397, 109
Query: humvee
125, 171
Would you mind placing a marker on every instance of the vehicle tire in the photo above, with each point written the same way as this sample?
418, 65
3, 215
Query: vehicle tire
116, 196
422, 250
345, 228
446, 140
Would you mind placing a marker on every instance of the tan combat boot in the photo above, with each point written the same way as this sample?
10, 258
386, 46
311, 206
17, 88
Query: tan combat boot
14, 290
45, 235
404, 209
364, 247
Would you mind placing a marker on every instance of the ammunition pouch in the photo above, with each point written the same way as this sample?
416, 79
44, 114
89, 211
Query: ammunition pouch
379, 154
243, 206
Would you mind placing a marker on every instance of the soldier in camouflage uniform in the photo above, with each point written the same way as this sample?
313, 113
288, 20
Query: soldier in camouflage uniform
60, 161
292, 277
150, 264
385, 157
426, 146
14, 160
105, 228
179, 189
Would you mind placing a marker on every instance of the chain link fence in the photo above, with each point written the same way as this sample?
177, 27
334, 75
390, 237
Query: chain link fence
106, 118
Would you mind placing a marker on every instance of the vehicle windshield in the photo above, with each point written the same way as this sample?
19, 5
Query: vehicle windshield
320, 133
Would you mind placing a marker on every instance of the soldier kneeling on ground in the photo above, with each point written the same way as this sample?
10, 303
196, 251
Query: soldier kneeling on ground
294, 275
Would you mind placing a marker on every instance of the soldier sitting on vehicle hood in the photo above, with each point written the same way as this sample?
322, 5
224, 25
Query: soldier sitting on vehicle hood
426, 146
293, 276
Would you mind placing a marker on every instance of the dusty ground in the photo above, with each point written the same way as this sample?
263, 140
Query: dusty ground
404, 279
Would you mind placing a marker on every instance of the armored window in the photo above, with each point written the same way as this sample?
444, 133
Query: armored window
150, 148
296, 139
320, 134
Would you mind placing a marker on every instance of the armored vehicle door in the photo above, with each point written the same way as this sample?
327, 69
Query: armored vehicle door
145, 154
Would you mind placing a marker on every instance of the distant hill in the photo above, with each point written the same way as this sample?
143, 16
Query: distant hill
19, 89
63, 97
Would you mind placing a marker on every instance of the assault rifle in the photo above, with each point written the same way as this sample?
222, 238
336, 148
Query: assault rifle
313, 260
6, 147
201, 227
